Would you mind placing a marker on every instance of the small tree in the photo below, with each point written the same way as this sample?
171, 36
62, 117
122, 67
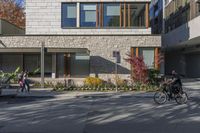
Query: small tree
13, 12
139, 69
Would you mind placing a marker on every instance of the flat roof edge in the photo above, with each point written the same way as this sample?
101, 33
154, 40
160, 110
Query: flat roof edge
38, 50
82, 35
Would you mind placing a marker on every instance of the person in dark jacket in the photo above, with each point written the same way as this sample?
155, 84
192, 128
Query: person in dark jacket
176, 83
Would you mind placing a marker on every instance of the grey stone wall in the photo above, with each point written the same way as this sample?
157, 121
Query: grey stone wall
101, 48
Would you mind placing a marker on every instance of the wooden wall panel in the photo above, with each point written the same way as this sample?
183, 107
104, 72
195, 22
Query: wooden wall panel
137, 52
156, 58
147, 15
101, 15
132, 55
124, 14
97, 16
129, 15
120, 15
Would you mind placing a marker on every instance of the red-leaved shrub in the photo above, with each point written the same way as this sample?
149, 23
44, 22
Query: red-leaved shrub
139, 69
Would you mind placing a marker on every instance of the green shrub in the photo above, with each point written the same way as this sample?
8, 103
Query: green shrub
153, 76
48, 85
37, 85
35, 72
59, 87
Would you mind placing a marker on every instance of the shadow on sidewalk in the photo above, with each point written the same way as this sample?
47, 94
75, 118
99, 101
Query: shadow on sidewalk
14, 99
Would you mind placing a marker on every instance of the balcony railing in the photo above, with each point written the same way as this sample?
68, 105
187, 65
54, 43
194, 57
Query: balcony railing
179, 12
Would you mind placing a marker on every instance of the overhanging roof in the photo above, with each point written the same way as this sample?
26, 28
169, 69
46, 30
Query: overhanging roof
19, 50
68, 50
48, 50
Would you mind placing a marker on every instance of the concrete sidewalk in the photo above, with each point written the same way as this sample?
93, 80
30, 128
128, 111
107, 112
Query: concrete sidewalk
191, 83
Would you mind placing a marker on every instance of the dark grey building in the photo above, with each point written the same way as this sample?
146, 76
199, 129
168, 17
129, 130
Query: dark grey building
181, 42
156, 16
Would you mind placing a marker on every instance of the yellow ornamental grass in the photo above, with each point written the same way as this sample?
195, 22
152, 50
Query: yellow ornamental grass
93, 82
118, 80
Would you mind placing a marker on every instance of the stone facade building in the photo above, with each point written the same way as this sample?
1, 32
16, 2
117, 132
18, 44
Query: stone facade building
80, 38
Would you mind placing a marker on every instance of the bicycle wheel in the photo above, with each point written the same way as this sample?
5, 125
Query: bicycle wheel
160, 97
182, 98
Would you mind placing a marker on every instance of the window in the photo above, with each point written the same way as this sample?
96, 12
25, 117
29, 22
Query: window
148, 55
137, 15
199, 7
33, 62
88, 15
80, 62
96, 15
111, 15
69, 15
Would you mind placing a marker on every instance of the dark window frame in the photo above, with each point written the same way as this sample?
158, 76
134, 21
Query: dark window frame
97, 13
63, 14
100, 16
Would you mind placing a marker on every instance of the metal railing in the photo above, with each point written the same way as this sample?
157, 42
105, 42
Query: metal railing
179, 12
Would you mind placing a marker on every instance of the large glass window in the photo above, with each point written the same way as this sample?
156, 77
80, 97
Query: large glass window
10, 62
111, 15
88, 15
114, 15
137, 15
60, 65
80, 64
33, 62
148, 55
69, 15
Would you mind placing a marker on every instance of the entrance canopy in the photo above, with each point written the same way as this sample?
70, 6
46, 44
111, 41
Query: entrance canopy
59, 62
48, 50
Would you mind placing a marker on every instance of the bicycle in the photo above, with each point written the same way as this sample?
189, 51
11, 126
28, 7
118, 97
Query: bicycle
160, 97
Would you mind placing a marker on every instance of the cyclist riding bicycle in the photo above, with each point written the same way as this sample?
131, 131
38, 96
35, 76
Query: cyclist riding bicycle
175, 83
171, 89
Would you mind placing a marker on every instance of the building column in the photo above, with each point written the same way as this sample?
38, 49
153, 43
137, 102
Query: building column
78, 15
54, 65
22, 62
42, 54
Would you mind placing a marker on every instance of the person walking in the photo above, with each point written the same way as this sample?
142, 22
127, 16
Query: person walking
26, 82
20, 81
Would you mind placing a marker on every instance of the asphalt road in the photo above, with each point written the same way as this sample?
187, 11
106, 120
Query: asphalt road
98, 113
